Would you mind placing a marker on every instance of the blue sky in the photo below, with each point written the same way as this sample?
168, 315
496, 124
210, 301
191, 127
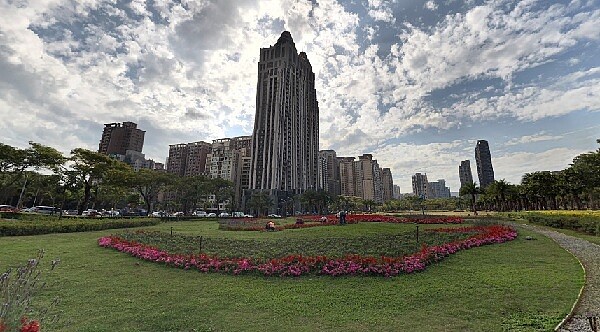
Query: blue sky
415, 83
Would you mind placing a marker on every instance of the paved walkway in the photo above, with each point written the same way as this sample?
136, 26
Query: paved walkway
589, 255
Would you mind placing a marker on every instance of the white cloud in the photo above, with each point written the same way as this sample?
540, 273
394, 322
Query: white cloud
537, 137
188, 70
431, 5
512, 166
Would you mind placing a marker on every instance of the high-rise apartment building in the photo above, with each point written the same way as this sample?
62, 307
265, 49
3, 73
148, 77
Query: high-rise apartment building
362, 178
188, 159
329, 172
117, 138
483, 158
347, 176
397, 193
285, 140
367, 175
464, 173
438, 189
419, 185
387, 184
227, 160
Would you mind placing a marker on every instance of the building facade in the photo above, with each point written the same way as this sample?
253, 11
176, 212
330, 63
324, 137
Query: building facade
329, 172
229, 160
347, 176
483, 158
419, 185
387, 184
285, 140
438, 189
188, 159
363, 178
464, 173
117, 138
397, 193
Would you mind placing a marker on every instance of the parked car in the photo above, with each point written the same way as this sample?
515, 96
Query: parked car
91, 213
70, 212
41, 209
211, 215
177, 214
274, 216
110, 213
224, 215
248, 216
200, 214
159, 214
7, 208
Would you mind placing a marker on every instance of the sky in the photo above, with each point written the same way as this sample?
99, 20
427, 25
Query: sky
415, 83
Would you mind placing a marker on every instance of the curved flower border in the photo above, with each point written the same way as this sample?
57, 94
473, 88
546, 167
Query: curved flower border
298, 265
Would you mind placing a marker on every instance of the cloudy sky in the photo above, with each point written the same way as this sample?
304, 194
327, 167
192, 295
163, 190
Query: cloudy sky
415, 83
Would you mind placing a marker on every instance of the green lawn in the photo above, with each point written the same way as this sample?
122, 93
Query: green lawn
519, 285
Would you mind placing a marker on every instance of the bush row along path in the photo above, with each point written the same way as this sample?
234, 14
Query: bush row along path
589, 255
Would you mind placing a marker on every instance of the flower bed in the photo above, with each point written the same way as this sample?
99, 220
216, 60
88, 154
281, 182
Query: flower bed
315, 221
297, 265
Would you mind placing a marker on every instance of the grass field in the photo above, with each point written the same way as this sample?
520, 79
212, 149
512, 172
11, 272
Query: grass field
518, 286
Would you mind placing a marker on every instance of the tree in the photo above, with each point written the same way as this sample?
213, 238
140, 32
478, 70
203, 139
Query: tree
222, 190
15, 162
541, 189
259, 202
496, 191
309, 199
147, 183
368, 204
470, 189
90, 168
586, 167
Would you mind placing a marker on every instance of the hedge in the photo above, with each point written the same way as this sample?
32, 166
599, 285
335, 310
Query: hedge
45, 226
585, 224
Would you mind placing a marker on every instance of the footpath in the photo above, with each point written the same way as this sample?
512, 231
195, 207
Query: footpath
588, 254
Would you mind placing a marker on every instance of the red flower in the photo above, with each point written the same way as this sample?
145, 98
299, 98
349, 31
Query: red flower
31, 326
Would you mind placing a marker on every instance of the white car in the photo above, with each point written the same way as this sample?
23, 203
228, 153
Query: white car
274, 216
91, 213
201, 214
224, 215
211, 215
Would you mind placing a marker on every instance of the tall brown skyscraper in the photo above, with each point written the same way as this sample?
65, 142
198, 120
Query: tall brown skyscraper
118, 138
285, 141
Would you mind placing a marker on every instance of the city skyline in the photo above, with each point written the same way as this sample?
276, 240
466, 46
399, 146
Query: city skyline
414, 84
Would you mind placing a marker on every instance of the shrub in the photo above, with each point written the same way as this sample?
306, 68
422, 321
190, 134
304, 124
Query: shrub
588, 224
18, 286
45, 226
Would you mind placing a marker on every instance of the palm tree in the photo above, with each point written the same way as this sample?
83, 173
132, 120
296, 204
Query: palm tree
470, 189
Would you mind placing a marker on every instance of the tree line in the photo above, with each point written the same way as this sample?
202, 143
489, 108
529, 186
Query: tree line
575, 187
40, 175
